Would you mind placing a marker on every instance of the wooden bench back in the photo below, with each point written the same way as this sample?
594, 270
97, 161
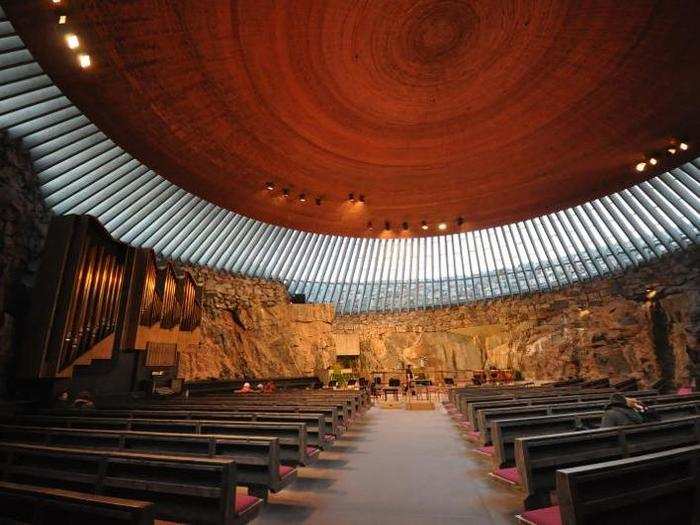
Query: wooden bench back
652, 489
539, 457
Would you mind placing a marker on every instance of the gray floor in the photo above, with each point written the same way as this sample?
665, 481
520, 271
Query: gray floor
396, 466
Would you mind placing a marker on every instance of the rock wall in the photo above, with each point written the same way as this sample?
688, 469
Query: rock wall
24, 222
250, 329
645, 323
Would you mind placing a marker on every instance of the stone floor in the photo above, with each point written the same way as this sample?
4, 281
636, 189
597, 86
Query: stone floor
396, 467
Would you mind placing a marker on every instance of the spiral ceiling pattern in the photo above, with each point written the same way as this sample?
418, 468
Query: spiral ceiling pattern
433, 110
82, 169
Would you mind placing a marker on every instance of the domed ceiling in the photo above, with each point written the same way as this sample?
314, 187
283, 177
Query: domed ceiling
431, 110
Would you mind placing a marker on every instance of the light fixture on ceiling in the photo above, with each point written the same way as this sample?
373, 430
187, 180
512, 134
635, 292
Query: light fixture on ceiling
62, 19
442, 226
56, 1
351, 197
361, 199
653, 161
672, 151
270, 186
683, 146
84, 61
302, 197
423, 225
387, 226
285, 192
72, 41
641, 166
318, 201
369, 226
404, 226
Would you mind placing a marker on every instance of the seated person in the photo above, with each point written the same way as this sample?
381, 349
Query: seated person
84, 400
62, 400
246, 388
626, 411
269, 387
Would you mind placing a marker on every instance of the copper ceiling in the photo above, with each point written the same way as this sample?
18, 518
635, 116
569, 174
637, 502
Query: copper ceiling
433, 110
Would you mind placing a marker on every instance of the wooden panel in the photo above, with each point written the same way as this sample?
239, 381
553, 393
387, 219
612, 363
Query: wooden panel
161, 354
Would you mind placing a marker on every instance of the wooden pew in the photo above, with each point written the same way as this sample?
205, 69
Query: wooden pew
652, 489
504, 432
28, 504
257, 458
474, 407
484, 417
317, 433
182, 489
294, 449
539, 457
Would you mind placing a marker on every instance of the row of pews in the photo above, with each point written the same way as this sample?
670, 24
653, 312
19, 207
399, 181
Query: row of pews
546, 443
180, 460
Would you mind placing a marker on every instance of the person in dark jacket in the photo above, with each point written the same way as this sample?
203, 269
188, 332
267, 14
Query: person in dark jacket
622, 411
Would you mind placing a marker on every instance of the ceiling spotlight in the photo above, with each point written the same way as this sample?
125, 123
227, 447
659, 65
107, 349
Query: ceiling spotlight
460, 221
270, 186
672, 151
285, 192
683, 146
72, 41
318, 201
302, 197
442, 226
56, 1
423, 225
351, 197
387, 226
84, 61
62, 19
405, 226
653, 161
640, 166
369, 226
362, 199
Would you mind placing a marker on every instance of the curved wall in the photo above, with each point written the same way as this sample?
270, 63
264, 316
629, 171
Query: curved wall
81, 170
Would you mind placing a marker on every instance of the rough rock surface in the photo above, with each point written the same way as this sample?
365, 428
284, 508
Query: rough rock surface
250, 329
24, 222
609, 327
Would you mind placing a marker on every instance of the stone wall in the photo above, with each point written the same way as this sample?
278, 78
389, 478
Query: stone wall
611, 327
24, 222
250, 329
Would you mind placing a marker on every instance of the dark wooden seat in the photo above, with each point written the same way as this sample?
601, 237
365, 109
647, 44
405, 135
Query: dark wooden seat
257, 458
183, 489
484, 417
504, 432
539, 457
652, 489
292, 437
29, 504
316, 430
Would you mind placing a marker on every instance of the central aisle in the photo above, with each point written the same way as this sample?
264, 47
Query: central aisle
396, 466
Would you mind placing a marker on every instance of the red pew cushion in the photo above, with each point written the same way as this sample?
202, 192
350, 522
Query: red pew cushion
243, 502
487, 451
545, 516
312, 451
511, 475
284, 470
684, 391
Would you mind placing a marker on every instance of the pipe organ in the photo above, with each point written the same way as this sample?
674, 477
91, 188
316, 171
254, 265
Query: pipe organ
90, 288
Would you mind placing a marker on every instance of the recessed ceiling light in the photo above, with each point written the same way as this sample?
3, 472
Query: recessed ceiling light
362, 199
369, 226
56, 1
285, 192
641, 166
351, 197
84, 61
387, 226
62, 19
424, 225
442, 226
72, 41
683, 146
653, 161
672, 151
302, 197
270, 186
